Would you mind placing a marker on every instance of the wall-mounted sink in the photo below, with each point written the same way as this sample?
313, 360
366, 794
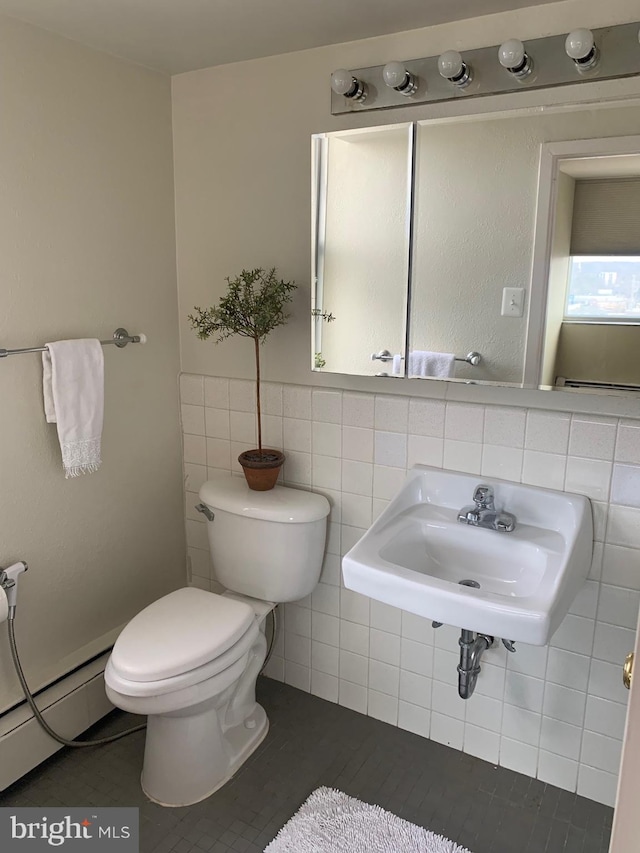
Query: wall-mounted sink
520, 584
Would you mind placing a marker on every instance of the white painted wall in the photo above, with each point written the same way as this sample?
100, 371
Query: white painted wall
86, 245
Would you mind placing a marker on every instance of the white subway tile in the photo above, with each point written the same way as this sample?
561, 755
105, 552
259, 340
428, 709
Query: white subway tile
324, 685
296, 402
491, 681
357, 444
383, 707
597, 785
384, 678
446, 730
547, 431
605, 681
327, 406
352, 696
414, 719
324, 658
618, 606
358, 410
601, 752
621, 566
481, 743
625, 485
503, 462
543, 469
242, 426
561, 738
216, 423
327, 472
445, 700
385, 617
464, 422
327, 439
575, 634
391, 414
384, 647
425, 450
528, 660
331, 570
568, 669
520, 724
523, 691
297, 676
416, 657
191, 389
242, 397
326, 599
195, 449
590, 477
426, 417
296, 434
445, 665
297, 649
418, 628
297, 619
586, 601
349, 536
605, 717
192, 419
563, 703
354, 638
325, 628
594, 438
271, 398
219, 453
194, 476
354, 607
216, 392
387, 482
354, 668
628, 444
357, 477
390, 449
275, 668
612, 643
462, 456
415, 688
504, 426
484, 712
297, 468
356, 510
519, 757
624, 526
557, 770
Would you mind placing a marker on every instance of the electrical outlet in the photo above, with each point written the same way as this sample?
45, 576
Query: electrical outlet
513, 301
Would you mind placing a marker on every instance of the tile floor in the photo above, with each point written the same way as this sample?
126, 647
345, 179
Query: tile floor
311, 743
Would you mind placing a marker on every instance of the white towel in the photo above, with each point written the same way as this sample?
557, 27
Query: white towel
425, 363
73, 387
397, 365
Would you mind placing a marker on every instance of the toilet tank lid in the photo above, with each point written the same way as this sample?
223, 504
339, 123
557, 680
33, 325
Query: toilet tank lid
282, 503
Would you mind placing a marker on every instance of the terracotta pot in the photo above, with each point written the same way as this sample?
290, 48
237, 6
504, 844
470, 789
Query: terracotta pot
261, 470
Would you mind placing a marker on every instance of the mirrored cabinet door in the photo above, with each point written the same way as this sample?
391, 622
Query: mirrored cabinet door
361, 224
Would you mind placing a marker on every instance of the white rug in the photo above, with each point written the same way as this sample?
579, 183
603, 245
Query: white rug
331, 822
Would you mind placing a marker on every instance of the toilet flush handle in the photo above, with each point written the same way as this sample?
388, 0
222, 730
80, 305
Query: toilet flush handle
204, 509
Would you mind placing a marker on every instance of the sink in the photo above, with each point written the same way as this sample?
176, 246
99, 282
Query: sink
518, 585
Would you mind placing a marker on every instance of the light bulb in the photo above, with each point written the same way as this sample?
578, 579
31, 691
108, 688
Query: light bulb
396, 76
580, 46
513, 57
454, 69
344, 83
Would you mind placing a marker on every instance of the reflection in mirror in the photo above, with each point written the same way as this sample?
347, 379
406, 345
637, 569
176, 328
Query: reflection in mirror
475, 223
361, 220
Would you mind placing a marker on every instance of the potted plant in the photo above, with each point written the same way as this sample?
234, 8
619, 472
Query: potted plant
252, 307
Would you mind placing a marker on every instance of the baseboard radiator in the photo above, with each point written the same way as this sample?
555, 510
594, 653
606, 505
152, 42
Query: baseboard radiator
70, 706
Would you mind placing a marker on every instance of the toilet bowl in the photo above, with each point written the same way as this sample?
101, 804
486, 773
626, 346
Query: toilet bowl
190, 660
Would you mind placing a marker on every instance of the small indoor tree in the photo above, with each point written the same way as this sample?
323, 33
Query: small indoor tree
252, 307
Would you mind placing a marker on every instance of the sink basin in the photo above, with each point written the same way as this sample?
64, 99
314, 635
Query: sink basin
518, 585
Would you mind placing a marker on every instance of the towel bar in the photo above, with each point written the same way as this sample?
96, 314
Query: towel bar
120, 338
473, 358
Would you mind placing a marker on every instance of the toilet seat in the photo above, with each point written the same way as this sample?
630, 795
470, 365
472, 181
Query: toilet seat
183, 639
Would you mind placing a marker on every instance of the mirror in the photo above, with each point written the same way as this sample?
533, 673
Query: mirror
362, 192
479, 281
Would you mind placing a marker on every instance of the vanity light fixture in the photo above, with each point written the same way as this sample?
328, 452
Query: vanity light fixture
396, 76
581, 47
515, 59
453, 68
344, 83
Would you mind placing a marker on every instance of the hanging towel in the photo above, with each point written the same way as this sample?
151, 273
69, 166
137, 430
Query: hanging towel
397, 365
425, 363
73, 386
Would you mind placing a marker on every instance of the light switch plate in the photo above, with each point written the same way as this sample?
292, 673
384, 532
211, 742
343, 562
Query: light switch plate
512, 301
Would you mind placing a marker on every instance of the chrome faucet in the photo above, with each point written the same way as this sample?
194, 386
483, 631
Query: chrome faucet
483, 513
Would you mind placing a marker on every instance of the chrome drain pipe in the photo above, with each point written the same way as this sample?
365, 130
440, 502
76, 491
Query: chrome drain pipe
472, 648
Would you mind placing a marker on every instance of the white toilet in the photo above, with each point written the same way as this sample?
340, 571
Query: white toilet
190, 660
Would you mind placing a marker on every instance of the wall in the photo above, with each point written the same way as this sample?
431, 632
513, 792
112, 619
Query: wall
87, 245
241, 143
554, 712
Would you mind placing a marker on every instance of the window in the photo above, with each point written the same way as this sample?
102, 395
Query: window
604, 286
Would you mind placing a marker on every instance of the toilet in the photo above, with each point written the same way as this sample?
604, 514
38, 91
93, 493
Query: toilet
190, 660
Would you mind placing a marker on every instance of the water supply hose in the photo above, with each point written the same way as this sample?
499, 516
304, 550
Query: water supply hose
76, 744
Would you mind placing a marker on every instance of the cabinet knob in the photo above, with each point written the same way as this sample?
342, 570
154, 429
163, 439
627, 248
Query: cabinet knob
627, 670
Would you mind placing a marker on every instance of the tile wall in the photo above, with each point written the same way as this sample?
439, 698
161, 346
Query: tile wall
556, 713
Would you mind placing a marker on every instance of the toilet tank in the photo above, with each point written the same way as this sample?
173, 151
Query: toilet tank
267, 545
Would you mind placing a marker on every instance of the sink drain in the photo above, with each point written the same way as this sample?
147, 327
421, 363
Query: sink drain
468, 582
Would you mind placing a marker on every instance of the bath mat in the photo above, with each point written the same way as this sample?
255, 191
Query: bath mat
331, 822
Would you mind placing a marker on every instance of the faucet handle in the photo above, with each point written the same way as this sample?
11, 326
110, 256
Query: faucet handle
483, 497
